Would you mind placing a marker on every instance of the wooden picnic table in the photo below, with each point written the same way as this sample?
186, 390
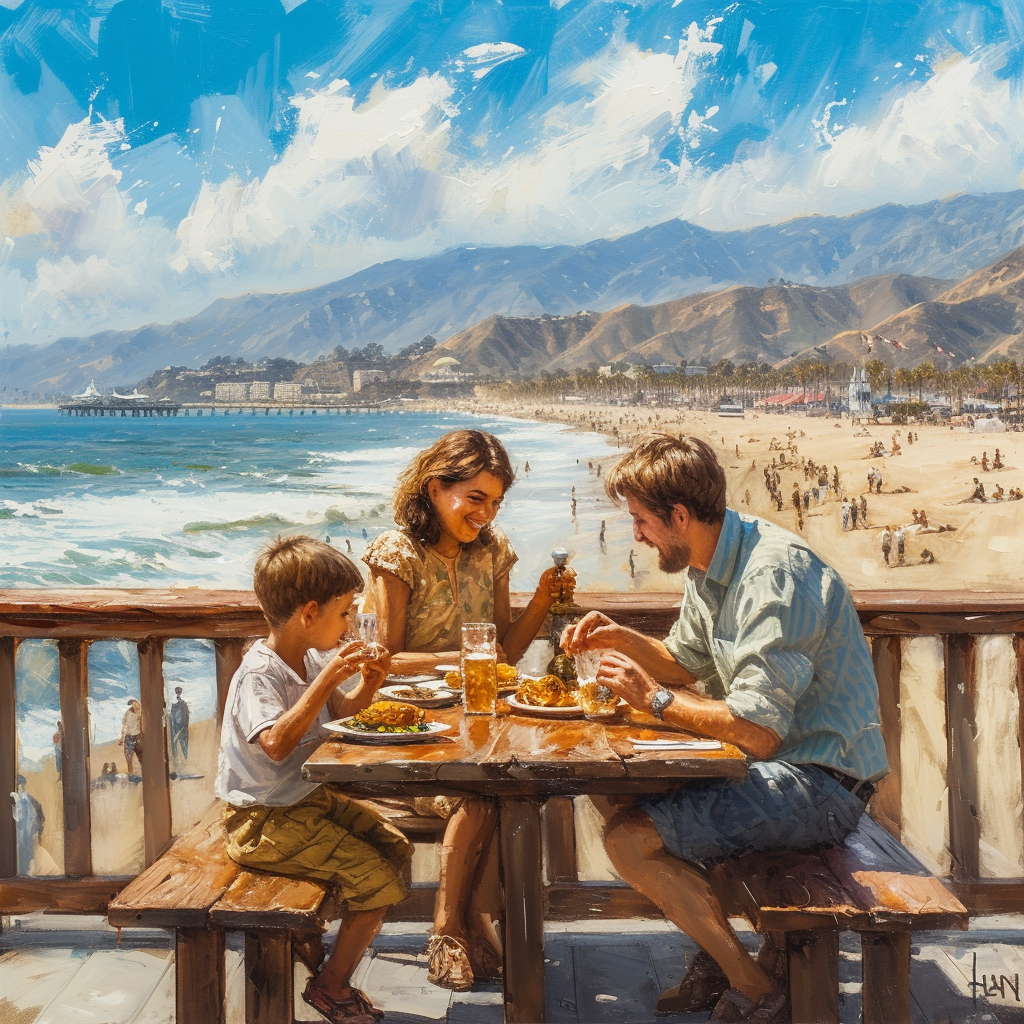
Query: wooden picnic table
521, 761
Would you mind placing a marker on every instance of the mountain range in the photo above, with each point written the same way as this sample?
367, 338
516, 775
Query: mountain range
905, 255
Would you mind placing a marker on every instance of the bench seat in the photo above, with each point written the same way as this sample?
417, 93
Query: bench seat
869, 884
196, 889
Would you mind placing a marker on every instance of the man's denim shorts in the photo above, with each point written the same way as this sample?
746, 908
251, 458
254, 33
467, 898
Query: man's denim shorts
778, 806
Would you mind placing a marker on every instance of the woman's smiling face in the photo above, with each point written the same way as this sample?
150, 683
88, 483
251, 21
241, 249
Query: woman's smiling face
465, 507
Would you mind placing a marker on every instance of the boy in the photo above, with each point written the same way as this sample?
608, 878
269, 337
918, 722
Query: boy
280, 697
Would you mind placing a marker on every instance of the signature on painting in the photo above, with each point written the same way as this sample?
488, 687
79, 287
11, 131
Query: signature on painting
990, 986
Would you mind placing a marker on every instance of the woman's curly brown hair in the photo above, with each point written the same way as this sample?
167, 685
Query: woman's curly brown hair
456, 456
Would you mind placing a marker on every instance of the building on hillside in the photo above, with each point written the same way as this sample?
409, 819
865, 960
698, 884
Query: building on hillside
860, 394
360, 378
665, 369
286, 391
259, 391
232, 391
696, 371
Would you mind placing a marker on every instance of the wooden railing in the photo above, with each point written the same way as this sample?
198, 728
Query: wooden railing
935, 658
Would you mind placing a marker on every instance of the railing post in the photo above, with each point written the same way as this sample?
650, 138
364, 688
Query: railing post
1018, 649
961, 759
156, 793
8, 759
228, 655
74, 713
886, 804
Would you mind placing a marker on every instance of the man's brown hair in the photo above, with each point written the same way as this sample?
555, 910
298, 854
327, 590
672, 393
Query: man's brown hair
292, 571
456, 456
662, 471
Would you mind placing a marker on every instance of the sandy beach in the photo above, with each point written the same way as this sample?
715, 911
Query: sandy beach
934, 472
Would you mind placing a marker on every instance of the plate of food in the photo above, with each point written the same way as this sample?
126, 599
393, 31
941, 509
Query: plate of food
546, 697
433, 694
386, 722
412, 679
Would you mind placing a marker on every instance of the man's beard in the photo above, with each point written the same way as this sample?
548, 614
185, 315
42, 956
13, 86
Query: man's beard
674, 559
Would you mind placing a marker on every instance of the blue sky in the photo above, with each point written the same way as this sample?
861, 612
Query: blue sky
156, 156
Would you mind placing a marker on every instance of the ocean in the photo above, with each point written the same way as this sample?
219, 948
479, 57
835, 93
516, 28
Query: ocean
187, 501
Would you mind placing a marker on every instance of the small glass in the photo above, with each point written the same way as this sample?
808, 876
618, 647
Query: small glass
597, 701
366, 627
479, 660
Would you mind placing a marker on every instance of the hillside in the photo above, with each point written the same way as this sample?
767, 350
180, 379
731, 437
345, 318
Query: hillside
740, 323
977, 318
399, 302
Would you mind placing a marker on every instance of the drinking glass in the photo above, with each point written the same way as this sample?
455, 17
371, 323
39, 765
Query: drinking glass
479, 657
366, 626
597, 701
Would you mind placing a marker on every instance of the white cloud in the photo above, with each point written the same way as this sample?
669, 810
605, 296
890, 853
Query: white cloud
386, 179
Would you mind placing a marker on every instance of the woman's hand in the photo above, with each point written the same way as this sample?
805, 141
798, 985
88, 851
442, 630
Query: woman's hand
555, 585
595, 629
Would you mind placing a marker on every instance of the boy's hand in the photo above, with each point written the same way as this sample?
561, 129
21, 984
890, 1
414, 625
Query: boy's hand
350, 659
377, 665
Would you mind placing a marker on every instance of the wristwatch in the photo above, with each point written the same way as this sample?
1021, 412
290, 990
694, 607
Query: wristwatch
661, 700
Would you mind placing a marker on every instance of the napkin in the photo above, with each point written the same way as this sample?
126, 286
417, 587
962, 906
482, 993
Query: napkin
677, 744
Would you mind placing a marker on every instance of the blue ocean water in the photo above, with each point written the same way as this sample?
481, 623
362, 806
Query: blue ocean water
187, 501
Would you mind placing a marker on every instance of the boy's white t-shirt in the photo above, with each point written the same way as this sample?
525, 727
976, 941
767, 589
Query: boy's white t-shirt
262, 690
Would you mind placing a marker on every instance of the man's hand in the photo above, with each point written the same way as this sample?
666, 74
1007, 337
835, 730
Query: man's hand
626, 679
594, 630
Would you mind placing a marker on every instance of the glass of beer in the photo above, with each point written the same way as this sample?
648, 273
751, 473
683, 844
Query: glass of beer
597, 701
479, 658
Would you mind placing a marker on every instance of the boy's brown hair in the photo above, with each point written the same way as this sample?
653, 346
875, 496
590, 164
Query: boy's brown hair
292, 571
662, 471
456, 456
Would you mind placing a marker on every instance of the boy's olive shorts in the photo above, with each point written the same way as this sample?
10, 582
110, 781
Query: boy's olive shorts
327, 837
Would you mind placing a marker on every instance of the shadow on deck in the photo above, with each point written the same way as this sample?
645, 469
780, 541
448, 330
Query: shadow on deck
55, 971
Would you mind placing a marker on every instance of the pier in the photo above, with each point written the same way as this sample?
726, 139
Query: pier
116, 408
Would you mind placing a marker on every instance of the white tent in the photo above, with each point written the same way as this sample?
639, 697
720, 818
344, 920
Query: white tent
992, 426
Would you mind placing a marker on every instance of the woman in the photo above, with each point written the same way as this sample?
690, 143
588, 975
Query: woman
448, 564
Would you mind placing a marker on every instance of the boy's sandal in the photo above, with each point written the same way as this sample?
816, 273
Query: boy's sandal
356, 1009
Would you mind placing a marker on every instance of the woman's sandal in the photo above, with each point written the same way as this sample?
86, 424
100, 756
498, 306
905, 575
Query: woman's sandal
356, 1009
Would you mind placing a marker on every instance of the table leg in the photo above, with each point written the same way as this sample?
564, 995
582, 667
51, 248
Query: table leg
523, 909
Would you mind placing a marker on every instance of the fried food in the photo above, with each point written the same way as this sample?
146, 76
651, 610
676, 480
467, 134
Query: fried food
418, 693
507, 673
453, 680
389, 714
546, 692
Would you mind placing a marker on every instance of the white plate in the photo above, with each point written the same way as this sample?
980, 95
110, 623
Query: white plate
444, 697
447, 668
572, 711
413, 680
350, 735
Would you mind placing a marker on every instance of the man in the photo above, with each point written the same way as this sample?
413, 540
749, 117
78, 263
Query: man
768, 654
886, 543
178, 715
131, 734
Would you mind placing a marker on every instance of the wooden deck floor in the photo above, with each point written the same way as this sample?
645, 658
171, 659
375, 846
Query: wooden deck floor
53, 971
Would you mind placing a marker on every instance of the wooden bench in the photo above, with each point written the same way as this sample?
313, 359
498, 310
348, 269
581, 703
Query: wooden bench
871, 884
198, 891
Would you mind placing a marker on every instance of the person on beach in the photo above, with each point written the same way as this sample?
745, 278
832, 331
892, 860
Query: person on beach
863, 512
853, 514
178, 718
886, 543
900, 540
768, 654
448, 564
846, 515
287, 687
131, 734
979, 491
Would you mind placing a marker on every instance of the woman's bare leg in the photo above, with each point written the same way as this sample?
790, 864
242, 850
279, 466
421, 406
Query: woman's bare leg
468, 833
